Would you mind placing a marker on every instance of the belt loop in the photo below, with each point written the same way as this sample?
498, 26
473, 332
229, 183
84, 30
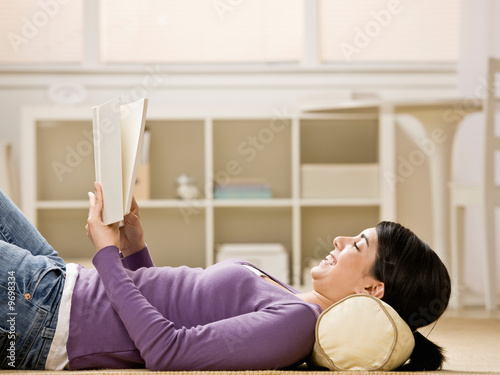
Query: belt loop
48, 333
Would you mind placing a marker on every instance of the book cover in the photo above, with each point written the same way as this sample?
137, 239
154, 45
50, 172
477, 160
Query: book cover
118, 133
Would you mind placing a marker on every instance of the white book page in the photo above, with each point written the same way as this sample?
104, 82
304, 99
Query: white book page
107, 158
133, 120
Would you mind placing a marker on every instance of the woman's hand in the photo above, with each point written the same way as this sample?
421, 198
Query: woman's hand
132, 233
100, 235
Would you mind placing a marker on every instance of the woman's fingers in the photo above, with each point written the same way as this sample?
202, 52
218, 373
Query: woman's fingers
100, 235
134, 207
95, 202
99, 199
131, 218
91, 204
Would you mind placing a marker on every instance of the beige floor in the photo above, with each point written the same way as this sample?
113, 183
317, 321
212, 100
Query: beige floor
471, 339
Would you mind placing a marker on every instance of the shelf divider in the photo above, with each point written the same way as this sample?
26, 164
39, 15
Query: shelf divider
208, 191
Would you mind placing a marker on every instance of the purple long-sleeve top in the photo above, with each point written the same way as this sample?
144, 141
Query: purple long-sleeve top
127, 313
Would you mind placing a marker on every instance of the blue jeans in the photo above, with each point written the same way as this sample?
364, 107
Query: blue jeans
32, 278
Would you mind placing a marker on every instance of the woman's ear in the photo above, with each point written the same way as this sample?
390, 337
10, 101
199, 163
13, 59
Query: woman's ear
377, 290
374, 288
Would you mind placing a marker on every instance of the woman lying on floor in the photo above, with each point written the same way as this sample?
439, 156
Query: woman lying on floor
128, 313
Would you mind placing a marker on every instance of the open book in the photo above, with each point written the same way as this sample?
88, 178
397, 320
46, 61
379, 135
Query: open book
118, 133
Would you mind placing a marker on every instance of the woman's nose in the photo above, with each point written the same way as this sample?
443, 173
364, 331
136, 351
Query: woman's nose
339, 243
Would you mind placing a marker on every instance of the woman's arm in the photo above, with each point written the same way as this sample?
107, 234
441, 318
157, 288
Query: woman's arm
138, 260
273, 337
132, 232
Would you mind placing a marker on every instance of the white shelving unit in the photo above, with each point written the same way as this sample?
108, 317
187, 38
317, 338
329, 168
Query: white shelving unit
57, 171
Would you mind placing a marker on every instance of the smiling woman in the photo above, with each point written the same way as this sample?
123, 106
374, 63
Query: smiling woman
391, 263
128, 313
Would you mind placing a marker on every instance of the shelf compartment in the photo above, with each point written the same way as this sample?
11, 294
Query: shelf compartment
254, 225
175, 236
338, 141
177, 147
64, 230
65, 160
254, 149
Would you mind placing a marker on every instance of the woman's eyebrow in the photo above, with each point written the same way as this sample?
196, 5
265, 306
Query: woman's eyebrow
366, 239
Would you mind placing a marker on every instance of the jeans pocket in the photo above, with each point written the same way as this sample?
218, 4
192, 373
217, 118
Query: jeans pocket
7, 348
45, 287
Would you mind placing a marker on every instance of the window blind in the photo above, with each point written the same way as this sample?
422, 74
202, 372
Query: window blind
389, 30
41, 31
201, 31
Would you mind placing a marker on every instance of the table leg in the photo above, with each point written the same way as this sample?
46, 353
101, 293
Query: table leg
440, 132
387, 161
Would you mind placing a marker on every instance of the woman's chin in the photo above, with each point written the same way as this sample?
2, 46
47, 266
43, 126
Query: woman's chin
317, 268
320, 269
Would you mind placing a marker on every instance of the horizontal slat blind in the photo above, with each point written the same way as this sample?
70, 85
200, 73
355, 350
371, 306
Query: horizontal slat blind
201, 31
390, 30
41, 31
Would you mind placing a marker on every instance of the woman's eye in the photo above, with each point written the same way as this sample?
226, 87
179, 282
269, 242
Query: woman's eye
356, 246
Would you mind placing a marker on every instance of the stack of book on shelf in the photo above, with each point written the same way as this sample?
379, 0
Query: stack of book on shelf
243, 188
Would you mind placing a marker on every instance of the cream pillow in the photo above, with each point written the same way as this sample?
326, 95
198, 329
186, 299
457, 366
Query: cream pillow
361, 332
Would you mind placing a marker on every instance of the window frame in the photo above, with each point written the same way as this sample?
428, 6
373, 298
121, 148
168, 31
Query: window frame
311, 59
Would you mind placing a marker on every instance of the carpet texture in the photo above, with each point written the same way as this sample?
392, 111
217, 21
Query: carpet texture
472, 347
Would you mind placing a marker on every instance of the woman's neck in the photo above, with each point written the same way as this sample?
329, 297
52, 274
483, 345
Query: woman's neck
309, 297
317, 298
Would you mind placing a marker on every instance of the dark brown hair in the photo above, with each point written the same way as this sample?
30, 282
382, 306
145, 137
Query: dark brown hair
416, 284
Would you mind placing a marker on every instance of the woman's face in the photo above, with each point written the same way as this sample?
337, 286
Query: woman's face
346, 270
